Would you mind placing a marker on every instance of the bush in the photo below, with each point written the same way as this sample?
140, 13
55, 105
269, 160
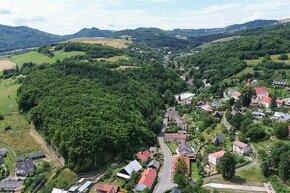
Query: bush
8, 128
1, 117
283, 57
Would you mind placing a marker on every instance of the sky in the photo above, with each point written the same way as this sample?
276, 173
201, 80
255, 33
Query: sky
69, 16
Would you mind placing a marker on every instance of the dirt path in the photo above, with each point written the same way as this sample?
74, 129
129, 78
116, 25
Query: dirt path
51, 155
236, 187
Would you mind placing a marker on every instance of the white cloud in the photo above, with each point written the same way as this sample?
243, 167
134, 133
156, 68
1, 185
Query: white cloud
69, 16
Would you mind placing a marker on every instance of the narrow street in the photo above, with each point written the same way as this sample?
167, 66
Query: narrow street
165, 182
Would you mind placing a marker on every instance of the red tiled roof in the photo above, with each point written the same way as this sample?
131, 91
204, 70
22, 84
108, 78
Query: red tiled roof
106, 187
175, 136
240, 144
148, 177
261, 90
280, 101
143, 155
175, 160
266, 99
218, 154
237, 94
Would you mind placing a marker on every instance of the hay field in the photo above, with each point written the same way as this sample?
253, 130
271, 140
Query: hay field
112, 42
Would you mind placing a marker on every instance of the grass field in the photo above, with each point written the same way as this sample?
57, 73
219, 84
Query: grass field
112, 42
268, 145
252, 177
18, 137
273, 57
194, 171
8, 90
38, 58
172, 146
114, 58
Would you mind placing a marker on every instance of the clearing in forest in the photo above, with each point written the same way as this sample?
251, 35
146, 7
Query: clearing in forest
112, 42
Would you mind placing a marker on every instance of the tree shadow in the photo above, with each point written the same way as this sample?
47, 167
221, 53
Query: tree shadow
237, 180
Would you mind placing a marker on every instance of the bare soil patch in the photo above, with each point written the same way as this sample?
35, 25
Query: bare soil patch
6, 64
112, 42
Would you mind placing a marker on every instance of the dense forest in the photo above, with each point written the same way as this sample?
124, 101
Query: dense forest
92, 114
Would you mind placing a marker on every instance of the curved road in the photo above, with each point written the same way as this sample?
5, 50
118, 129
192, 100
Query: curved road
164, 179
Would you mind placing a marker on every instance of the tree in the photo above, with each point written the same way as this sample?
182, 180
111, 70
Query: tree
283, 57
247, 93
280, 130
265, 168
227, 165
180, 176
255, 132
1, 117
194, 189
169, 98
273, 103
284, 166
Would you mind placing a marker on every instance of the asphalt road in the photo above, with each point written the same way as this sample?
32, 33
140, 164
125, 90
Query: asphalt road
165, 181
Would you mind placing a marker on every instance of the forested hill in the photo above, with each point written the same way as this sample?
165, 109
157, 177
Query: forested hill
12, 38
94, 115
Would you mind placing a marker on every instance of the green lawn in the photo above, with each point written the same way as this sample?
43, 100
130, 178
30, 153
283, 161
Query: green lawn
8, 90
38, 58
268, 144
10, 160
194, 171
252, 177
172, 146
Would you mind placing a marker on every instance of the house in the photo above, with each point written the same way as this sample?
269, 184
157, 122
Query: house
258, 115
85, 187
184, 98
154, 164
143, 155
24, 167
175, 190
126, 172
153, 151
265, 101
73, 189
287, 101
180, 136
282, 117
3, 152
37, 155
261, 92
185, 150
219, 139
206, 108
236, 95
280, 82
280, 102
9, 185
106, 188
214, 158
216, 104
172, 114
56, 190
241, 148
181, 123
147, 180
175, 161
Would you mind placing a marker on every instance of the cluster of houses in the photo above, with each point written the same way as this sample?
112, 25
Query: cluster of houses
173, 117
82, 186
239, 148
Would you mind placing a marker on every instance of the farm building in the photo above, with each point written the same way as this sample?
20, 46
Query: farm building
56, 190
127, 170
24, 167
154, 164
37, 155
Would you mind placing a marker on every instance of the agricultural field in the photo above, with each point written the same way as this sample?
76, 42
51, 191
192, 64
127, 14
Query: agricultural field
8, 90
6, 64
114, 58
273, 57
112, 42
38, 58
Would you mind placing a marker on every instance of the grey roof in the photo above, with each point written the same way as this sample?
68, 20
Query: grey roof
220, 137
85, 186
25, 166
37, 155
175, 190
10, 185
3, 152
154, 164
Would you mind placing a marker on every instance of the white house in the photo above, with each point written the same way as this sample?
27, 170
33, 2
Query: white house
214, 158
56, 190
265, 101
128, 170
184, 98
241, 148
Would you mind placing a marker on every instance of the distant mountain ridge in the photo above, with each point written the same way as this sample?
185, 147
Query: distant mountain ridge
12, 38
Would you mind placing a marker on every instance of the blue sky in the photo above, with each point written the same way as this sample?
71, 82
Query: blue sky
69, 16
